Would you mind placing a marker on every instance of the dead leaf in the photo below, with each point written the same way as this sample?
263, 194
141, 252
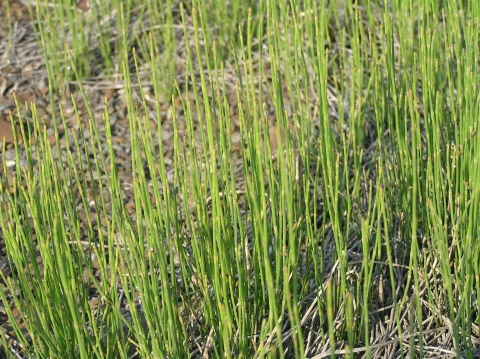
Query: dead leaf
83, 5
3, 85
6, 133
25, 96
27, 71
108, 92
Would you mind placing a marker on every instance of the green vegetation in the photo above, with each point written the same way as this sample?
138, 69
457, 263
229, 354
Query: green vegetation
356, 203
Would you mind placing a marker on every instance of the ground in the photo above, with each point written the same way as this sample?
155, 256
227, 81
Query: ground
23, 74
